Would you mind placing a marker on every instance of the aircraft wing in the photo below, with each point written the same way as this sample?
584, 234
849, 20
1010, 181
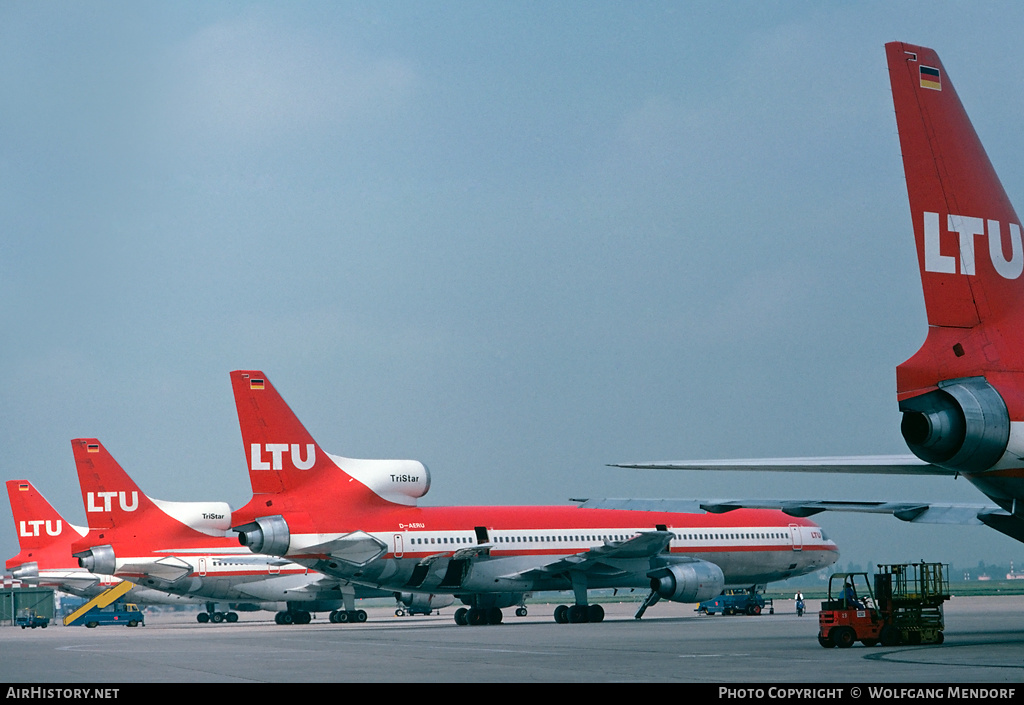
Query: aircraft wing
866, 464
917, 512
600, 559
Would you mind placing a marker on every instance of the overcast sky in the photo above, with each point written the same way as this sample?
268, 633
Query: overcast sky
513, 240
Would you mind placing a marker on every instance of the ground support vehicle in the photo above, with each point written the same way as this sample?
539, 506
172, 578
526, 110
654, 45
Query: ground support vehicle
747, 601
905, 607
28, 618
125, 613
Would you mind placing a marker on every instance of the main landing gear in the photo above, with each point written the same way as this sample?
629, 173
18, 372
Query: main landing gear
212, 615
579, 614
293, 617
478, 616
345, 616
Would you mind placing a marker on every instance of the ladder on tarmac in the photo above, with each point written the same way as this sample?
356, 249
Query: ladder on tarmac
101, 600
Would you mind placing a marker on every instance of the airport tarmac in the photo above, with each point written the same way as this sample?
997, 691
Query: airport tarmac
984, 644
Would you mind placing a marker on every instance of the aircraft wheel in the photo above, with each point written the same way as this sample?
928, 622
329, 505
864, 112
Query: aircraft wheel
476, 617
232, 617
287, 618
521, 612
577, 614
202, 618
399, 612
217, 617
595, 613
562, 614
494, 615
462, 616
360, 616
340, 617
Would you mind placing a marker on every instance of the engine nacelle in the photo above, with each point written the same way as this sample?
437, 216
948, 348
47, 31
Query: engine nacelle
423, 603
688, 582
963, 425
98, 559
399, 481
267, 535
26, 571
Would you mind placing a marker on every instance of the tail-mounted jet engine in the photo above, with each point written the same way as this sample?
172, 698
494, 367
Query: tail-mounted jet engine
688, 582
26, 571
963, 425
98, 559
267, 535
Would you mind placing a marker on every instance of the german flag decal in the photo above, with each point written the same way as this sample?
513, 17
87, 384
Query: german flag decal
255, 384
930, 78
93, 448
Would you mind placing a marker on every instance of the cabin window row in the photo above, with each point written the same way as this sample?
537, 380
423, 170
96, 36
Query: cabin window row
752, 536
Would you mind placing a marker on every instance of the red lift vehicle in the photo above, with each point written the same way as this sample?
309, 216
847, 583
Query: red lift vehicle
904, 608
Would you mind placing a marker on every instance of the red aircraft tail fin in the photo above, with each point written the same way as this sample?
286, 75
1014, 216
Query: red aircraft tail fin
283, 458
112, 499
43, 534
968, 236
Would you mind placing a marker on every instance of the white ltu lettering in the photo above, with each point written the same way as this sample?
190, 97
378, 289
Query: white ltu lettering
967, 228
30, 528
277, 451
934, 260
297, 460
1006, 269
258, 463
90, 504
122, 500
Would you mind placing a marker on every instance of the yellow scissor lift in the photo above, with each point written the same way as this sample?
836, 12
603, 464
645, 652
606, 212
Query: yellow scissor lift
101, 601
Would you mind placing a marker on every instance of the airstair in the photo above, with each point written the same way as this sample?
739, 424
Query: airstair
101, 600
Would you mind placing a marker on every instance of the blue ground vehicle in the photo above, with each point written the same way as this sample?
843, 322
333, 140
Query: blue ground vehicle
28, 618
124, 613
737, 602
